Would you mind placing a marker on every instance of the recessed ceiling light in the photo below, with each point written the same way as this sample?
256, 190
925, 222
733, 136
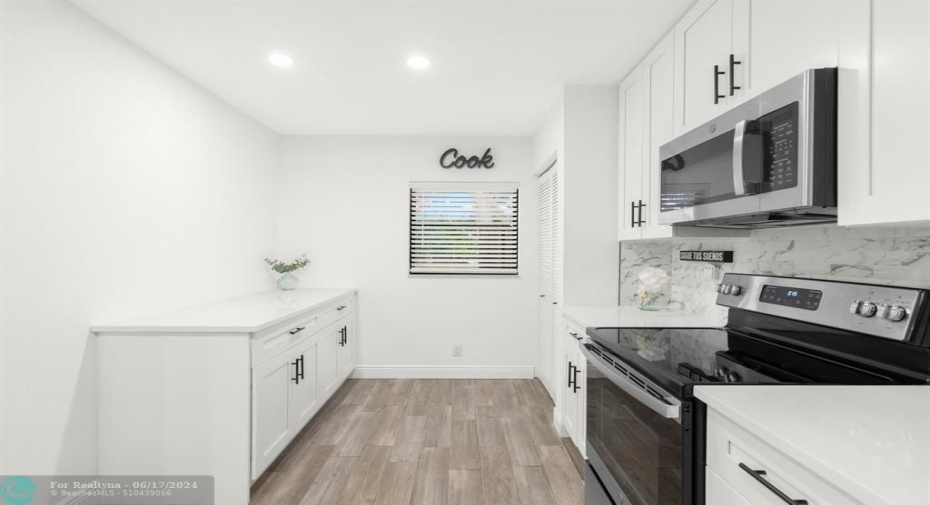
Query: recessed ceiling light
418, 62
280, 60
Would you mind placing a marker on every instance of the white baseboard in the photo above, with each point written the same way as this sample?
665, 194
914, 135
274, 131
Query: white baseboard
443, 372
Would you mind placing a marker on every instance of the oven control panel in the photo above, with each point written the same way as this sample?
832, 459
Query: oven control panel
882, 311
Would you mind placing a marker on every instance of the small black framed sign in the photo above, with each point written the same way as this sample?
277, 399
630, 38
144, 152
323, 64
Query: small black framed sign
710, 256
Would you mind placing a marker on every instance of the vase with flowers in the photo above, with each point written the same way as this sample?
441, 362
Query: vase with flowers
285, 274
652, 293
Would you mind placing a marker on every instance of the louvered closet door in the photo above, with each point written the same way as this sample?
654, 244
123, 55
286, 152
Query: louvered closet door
547, 234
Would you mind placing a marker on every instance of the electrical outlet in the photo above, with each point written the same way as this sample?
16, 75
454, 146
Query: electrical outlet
457, 350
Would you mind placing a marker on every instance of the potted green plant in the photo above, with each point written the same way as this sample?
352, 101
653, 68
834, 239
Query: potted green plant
286, 273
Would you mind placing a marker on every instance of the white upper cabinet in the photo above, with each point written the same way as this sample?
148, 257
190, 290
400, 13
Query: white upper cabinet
788, 38
631, 155
659, 117
711, 44
884, 113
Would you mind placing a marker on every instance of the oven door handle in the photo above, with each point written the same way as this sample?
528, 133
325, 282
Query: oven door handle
669, 409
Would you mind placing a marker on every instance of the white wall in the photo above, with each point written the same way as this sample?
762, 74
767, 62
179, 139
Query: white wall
124, 189
344, 201
582, 128
591, 144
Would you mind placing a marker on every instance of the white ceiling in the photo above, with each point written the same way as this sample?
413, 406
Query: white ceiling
497, 66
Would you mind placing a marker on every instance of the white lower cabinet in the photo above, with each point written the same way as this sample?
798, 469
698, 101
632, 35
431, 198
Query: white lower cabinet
289, 388
272, 427
750, 471
220, 389
345, 354
304, 399
573, 370
328, 368
719, 492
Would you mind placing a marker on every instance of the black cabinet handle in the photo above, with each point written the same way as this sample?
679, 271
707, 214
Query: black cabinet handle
301, 372
296, 377
757, 474
733, 63
570, 374
632, 215
717, 74
340, 307
577, 386
297, 330
639, 220
345, 338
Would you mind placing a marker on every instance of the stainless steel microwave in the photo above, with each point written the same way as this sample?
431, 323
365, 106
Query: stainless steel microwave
768, 162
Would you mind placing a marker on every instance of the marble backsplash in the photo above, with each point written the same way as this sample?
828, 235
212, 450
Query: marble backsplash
898, 256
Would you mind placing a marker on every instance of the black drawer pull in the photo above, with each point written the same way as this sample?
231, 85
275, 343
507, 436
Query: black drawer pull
758, 475
639, 221
297, 330
632, 215
570, 374
577, 386
341, 307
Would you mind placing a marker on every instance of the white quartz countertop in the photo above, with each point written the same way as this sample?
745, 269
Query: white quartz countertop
632, 317
246, 314
871, 441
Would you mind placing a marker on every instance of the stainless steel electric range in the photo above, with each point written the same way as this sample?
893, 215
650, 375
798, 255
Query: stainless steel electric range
645, 429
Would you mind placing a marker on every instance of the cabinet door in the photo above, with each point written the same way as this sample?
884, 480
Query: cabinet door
570, 407
884, 113
631, 154
271, 425
788, 38
581, 392
703, 39
659, 119
327, 376
304, 397
346, 351
719, 492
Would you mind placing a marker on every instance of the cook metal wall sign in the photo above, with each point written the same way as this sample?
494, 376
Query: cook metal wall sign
452, 159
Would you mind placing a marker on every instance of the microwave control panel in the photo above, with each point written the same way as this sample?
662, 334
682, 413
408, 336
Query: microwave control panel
781, 148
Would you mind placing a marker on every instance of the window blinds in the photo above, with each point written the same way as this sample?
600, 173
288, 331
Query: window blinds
463, 228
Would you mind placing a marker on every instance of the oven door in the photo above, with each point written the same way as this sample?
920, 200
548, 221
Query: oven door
638, 442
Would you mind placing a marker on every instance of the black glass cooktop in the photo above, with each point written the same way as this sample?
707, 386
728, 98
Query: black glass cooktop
679, 358
673, 357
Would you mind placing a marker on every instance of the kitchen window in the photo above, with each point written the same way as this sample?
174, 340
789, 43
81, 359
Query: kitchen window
464, 228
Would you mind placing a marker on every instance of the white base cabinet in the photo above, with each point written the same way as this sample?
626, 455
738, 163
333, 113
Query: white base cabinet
222, 389
744, 469
573, 387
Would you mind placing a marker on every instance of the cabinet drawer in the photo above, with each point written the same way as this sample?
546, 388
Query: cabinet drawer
729, 446
719, 492
573, 330
268, 347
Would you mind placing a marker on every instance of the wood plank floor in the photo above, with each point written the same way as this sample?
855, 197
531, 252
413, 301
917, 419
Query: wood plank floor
428, 442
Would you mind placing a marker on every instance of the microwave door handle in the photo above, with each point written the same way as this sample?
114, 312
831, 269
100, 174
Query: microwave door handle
739, 184
664, 409
747, 141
